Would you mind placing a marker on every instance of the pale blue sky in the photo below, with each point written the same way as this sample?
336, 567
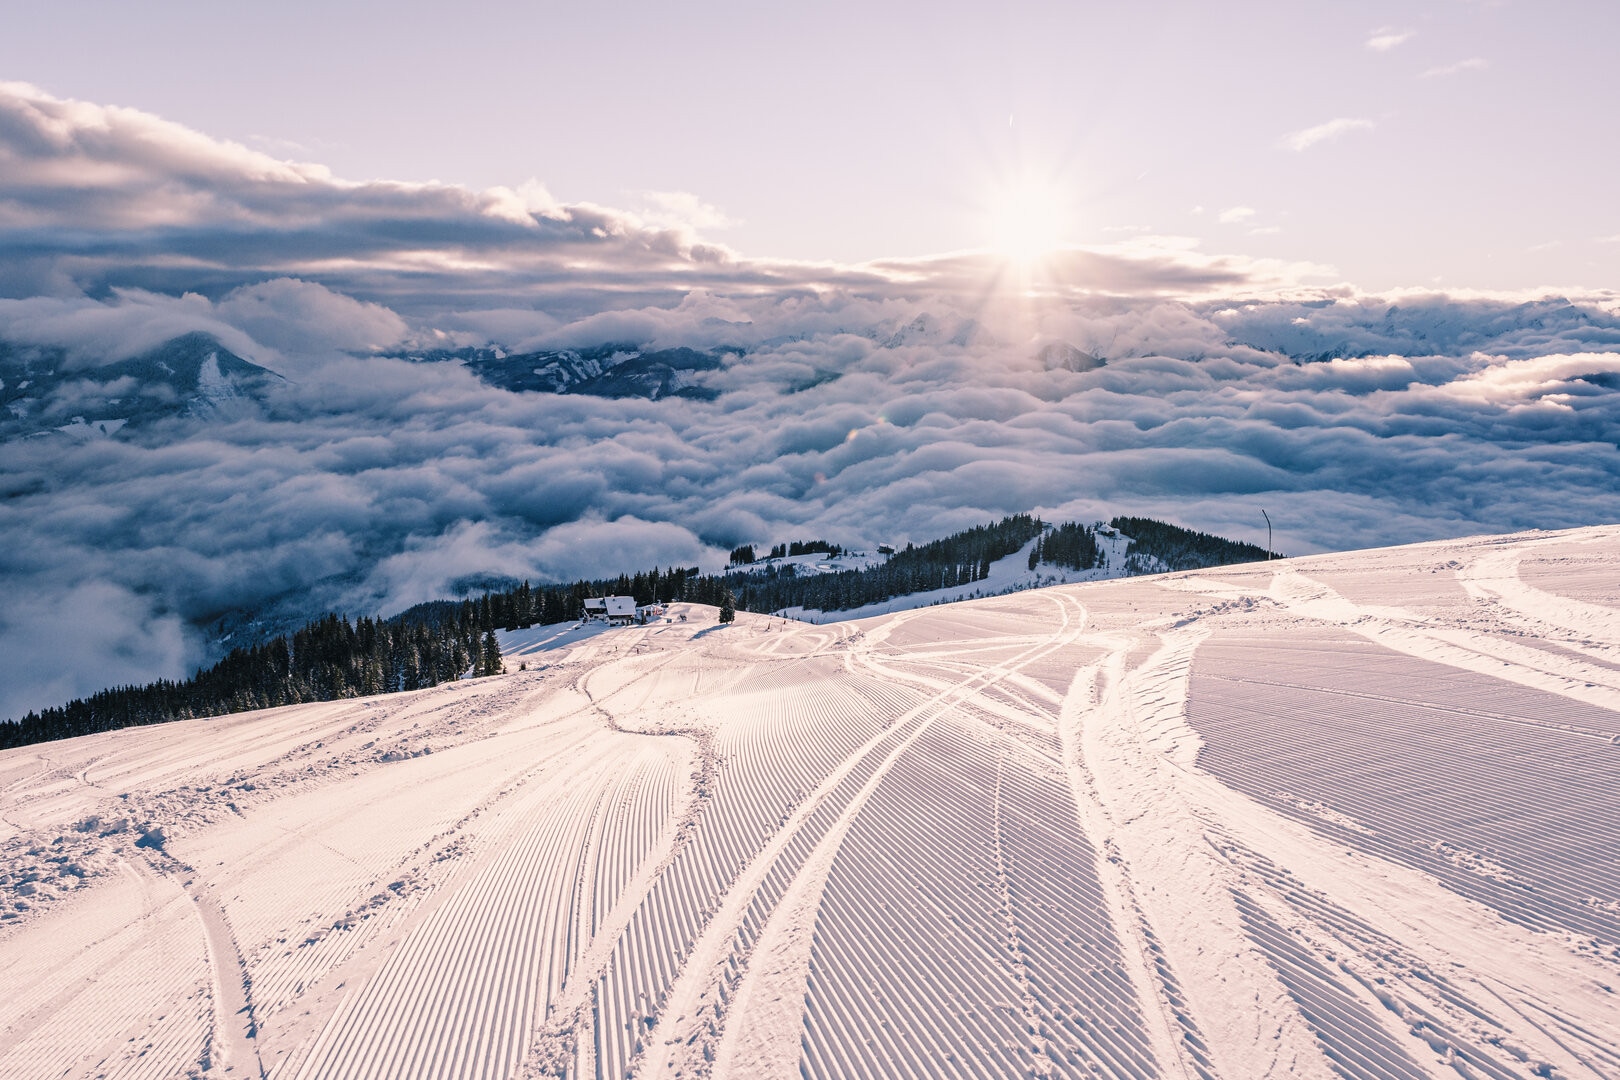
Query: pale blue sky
1475, 144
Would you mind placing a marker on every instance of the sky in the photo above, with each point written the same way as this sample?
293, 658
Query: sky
1449, 143
1356, 268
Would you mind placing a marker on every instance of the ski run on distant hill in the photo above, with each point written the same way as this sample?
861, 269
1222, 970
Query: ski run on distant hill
1346, 816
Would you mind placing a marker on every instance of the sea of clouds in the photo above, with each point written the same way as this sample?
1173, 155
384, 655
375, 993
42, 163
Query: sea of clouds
882, 403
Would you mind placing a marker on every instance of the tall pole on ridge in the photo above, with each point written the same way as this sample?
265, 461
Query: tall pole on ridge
1268, 533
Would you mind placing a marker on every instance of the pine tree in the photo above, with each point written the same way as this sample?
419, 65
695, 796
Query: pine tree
728, 607
490, 660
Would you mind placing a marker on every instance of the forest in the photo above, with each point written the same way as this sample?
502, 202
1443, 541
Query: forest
955, 560
1174, 548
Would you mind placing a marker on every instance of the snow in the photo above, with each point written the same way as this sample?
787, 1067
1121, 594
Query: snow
1344, 816
83, 429
213, 387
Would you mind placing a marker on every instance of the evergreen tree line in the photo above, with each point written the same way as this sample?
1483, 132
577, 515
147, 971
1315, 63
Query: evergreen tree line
1069, 544
956, 560
805, 547
1182, 549
539, 605
328, 659
744, 554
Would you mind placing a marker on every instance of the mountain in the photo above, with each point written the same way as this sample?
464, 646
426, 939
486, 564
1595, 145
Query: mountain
1346, 817
611, 371
928, 329
44, 391
1060, 354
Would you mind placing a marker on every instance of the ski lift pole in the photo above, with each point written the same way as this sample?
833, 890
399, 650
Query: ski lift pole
1268, 533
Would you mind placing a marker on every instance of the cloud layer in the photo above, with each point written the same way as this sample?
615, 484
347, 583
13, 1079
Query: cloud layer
98, 198
890, 402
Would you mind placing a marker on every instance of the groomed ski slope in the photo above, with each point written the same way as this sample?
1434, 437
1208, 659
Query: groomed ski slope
1343, 816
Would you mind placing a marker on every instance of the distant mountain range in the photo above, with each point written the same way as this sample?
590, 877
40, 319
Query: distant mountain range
611, 371
44, 391
50, 390
629, 370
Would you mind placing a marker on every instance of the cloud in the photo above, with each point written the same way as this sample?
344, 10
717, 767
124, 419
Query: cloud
273, 144
128, 323
1547, 381
299, 317
1141, 266
1473, 63
1386, 38
98, 200
1235, 215
683, 209
99, 197
1332, 129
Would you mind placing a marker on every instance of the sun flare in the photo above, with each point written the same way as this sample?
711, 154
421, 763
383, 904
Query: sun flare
1027, 219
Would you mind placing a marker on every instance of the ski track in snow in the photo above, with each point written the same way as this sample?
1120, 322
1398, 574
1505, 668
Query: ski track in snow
1349, 816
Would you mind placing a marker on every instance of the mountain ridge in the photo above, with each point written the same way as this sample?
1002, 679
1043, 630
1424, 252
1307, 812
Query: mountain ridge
44, 392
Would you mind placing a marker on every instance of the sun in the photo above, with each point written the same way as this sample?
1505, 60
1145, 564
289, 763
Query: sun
1027, 218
